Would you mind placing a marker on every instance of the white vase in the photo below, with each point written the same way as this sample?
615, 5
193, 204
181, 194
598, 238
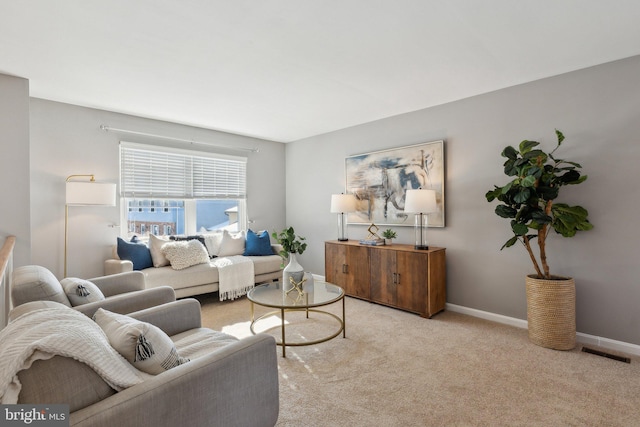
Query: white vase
292, 269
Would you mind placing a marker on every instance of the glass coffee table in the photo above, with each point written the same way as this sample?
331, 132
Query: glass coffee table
317, 294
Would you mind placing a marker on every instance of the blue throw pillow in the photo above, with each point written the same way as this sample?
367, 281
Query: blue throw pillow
138, 253
257, 244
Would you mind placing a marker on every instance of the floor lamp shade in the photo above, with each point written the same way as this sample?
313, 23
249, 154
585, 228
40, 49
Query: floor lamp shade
420, 202
341, 204
91, 193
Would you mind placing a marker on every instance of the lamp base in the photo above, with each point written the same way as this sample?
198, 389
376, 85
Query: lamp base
421, 247
342, 239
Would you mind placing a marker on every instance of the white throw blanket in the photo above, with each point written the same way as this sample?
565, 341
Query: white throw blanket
45, 333
236, 276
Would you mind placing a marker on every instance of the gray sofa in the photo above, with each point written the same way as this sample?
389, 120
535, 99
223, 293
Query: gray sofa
197, 279
233, 385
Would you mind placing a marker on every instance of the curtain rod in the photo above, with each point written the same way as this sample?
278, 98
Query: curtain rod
189, 141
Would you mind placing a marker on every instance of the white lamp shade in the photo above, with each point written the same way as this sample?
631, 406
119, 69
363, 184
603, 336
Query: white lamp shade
343, 203
420, 201
91, 193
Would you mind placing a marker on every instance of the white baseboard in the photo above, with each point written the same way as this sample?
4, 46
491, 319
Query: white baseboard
587, 339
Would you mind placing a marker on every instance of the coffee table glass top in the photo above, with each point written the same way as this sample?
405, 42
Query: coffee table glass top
315, 295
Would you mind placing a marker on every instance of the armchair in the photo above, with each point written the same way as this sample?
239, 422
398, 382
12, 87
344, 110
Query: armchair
123, 293
235, 384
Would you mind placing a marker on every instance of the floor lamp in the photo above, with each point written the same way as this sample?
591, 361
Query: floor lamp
85, 193
420, 202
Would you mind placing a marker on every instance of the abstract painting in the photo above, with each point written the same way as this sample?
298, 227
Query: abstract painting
379, 181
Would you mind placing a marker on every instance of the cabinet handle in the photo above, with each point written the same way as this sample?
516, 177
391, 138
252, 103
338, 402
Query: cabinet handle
398, 279
345, 268
394, 278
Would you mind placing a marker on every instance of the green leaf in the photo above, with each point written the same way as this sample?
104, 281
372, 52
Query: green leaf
526, 146
519, 229
510, 168
522, 196
505, 211
539, 155
510, 153
510, 242
560, 137
528, 181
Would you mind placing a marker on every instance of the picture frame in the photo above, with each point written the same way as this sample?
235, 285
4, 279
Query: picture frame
379, 181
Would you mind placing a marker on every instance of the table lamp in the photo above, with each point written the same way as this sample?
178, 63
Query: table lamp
341, 204
420, 202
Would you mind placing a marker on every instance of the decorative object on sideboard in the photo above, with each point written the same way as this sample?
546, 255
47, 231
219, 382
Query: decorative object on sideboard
379, 181
372, 239
342, 204
389, 235
528, 201
421, 202
85, 193
291, 246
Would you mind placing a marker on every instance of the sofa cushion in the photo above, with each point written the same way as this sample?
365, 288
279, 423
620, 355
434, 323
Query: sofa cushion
199, 342
80, 291
258, 244
266, 264
144, 345
184, 254
137, 253
36, 283
155, 247
232, 244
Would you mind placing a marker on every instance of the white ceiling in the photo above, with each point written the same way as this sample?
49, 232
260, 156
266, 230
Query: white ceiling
288, 69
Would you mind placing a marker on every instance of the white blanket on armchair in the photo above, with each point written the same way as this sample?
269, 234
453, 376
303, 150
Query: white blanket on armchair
236, 276
45, 333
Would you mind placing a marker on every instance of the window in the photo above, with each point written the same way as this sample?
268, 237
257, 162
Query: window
169, 191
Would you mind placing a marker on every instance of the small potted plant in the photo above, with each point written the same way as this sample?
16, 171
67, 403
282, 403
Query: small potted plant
291, 245
388, 235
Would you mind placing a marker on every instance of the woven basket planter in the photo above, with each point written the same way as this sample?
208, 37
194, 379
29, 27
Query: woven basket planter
551, 312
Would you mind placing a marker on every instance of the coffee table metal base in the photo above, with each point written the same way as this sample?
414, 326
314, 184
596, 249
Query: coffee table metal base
283, 342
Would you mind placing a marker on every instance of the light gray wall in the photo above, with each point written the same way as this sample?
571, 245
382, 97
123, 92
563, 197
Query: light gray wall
67, 139
598, 109
14, 165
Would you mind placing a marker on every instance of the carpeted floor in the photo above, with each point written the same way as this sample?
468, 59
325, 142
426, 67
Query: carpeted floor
398, 369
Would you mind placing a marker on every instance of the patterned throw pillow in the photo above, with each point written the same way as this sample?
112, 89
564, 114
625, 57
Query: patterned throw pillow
144, 345
80, 291
184, 254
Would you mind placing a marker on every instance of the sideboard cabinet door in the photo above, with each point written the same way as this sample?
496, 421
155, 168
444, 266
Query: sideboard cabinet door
348, 267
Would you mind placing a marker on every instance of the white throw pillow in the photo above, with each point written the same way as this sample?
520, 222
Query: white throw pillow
213, 241
80, 291
232, 244
183, 254
144, 345
155, 246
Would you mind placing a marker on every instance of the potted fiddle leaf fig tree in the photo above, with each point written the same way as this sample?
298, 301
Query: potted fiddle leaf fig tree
529, 202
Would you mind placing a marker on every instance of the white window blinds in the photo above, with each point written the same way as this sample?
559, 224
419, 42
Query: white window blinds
167, 173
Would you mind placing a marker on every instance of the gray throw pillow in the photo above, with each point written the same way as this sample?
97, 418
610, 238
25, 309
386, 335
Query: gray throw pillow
80, 291
144, 345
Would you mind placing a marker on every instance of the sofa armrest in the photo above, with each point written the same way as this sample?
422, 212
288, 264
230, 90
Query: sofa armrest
115, 266
213, 390
120, 283
130, 301
174, 317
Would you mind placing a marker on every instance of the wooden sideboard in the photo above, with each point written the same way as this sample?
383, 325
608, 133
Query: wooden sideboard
395, 275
